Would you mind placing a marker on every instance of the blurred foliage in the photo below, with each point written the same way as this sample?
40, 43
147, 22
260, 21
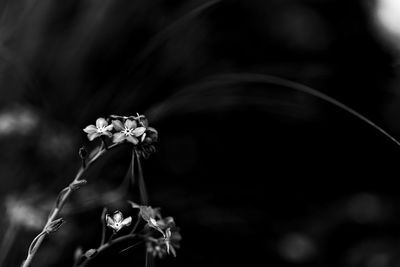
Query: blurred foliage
250, 172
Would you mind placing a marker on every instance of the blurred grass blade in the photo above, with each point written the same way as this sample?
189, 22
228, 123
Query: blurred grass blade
8, 241
166, 33
203, 97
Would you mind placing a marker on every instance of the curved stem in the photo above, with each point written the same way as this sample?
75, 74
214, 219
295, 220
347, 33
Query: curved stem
106, 246
111, 236
33, 247
59, 205
136, 224
130, 247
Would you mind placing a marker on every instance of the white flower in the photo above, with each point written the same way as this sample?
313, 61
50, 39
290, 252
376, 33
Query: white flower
117, 222
101, 128
127, 131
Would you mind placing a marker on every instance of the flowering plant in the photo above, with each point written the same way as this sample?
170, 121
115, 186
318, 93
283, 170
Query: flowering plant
160, 235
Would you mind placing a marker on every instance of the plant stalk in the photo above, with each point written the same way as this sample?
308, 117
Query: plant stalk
62, 198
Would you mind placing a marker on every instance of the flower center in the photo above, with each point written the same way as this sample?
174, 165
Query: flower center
101, 129
128, 131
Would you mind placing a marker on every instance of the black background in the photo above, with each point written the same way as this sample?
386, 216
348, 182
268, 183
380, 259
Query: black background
253, 173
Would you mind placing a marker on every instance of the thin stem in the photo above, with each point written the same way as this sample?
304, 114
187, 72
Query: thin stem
59, 205
136, 224
142, 186
107, 246
111, 237
104, 228
129, 179
134, 245
34, 242
133, 166
103, 141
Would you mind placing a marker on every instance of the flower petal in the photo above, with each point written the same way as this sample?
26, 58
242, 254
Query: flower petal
90, 129
101, 122
143, 137
132, 139
130, 124
134, 205
109, 127
168, 233
118, 137
126, 221
118, 217
166, 223
92, 136
109, 220
173, 251
146, 213
138, 131
153, 222
118, 125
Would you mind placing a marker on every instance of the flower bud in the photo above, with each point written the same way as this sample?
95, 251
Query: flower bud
54, 226
83, 153
90, 253
77, 184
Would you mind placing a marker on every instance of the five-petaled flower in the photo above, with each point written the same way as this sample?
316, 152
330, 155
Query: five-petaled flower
117, 222
101, 128
128, 131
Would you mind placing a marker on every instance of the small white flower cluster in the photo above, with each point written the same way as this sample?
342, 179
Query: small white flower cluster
159, 246
165, 245
133, 129
156, 244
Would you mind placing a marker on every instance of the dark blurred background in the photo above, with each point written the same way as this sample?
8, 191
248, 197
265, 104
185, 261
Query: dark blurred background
253, 173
